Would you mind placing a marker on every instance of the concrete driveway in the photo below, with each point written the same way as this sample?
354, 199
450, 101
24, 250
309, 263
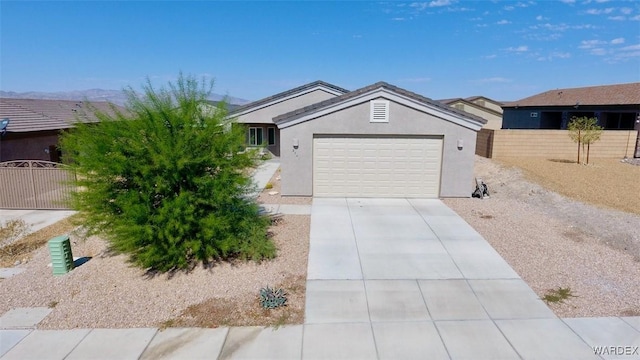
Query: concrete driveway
398, 278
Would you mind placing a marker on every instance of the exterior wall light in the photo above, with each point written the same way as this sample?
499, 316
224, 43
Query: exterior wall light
460, 144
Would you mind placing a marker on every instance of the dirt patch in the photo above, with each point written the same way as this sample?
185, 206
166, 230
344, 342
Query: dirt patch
22, 249
553, 241
217, 312
604, 182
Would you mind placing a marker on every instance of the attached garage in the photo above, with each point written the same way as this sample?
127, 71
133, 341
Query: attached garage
378, 141
380, 166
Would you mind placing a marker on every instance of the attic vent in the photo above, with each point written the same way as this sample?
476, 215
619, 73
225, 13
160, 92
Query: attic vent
379, 111
459, 106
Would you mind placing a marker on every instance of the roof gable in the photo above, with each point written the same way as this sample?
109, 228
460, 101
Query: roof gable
619, 94
375, 91
285, 95
453, 102
480, 97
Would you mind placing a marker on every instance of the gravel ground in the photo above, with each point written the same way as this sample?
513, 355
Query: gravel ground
552, 241
106, 292
265, 198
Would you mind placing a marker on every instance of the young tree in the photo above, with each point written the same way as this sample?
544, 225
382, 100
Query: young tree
584, 131
165, 181
592, 134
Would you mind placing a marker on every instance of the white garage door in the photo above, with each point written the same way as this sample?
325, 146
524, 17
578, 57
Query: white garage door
377, 166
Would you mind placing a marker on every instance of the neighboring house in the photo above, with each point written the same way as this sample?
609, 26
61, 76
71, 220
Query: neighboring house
378, 141
617, 107
35, 126
481, 106
258, 116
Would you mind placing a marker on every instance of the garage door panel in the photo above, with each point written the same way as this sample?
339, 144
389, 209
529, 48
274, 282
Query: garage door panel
377, 167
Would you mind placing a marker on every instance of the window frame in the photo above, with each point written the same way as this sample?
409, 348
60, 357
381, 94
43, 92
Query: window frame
253, 140
271, 135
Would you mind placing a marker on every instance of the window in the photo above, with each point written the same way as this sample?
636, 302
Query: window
271, 135
255, 136
379, 111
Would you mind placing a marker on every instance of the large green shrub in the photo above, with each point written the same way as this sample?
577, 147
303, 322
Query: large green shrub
165, 181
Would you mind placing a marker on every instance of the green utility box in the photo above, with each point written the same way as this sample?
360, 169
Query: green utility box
61, 256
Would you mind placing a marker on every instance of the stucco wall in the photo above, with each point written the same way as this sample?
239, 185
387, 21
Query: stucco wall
457, 165
491, 105
493, 121
27, 146
554, 144
266, 114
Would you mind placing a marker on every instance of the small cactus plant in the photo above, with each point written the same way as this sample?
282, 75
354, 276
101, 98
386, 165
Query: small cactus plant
272, 298
269, 186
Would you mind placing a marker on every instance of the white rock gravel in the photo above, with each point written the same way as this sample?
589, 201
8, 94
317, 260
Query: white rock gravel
106, 292
552, 241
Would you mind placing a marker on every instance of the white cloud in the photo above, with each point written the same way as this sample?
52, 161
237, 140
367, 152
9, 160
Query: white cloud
541, 18
503, 22
398, 19
624, 54
617, 41
626, 11
521, 48
568, 1
598, 51
493, 80
509, 8
635, 18
600, 11
589, 44
437, 3
489, 57
617, 18
431, 4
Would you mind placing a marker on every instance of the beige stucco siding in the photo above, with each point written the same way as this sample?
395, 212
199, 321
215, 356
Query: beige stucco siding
457, 165
265, 115
494, 121
493, 106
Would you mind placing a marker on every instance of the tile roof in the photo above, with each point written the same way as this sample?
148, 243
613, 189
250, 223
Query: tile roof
38, 114
619, 94
338, 99
286, 94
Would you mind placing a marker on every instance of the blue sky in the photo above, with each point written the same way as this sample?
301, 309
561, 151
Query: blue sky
505, 50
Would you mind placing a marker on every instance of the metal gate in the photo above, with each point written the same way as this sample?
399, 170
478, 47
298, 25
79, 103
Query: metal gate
35, 184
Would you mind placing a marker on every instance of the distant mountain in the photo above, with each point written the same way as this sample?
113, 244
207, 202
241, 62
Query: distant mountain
114, 96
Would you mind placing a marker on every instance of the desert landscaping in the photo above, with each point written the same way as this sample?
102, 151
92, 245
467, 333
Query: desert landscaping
551, 241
